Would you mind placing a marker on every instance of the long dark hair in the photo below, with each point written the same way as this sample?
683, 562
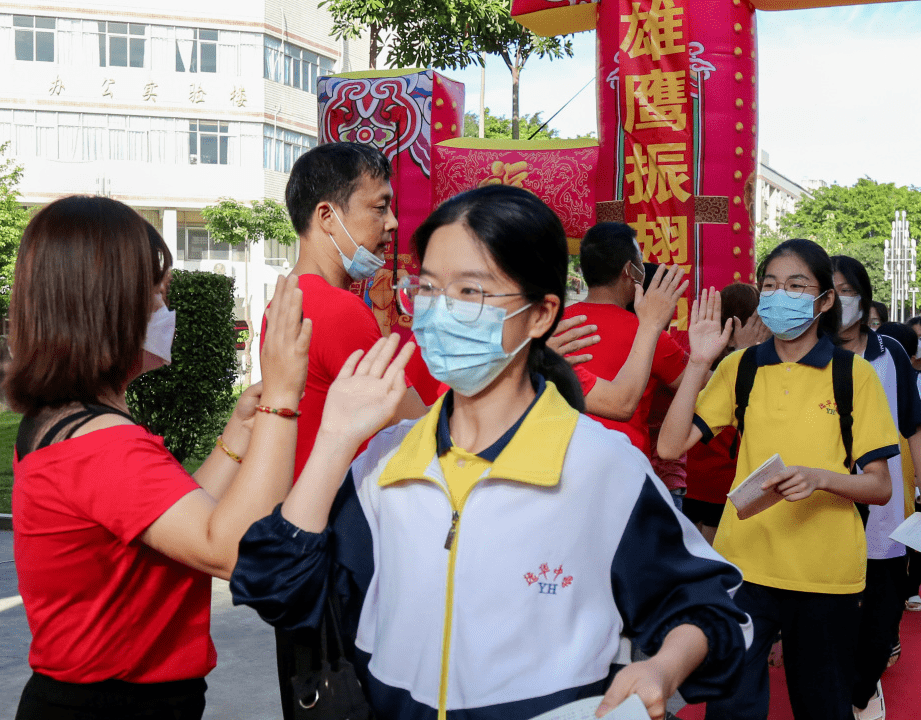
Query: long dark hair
855, 275
819, 265
527, 242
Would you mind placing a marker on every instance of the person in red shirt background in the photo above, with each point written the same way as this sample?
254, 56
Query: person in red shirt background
339, 198
710, 470
612, 265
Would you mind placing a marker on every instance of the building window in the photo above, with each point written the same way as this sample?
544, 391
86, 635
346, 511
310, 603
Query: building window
282, 147
121, 44
208, 142
198, 54
278, 254
34, 38
293, 66
195, 243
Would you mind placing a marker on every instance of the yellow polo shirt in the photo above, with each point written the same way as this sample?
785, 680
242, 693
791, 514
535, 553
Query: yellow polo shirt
812, 545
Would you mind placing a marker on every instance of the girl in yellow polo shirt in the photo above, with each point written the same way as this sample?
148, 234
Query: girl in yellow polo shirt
803, 560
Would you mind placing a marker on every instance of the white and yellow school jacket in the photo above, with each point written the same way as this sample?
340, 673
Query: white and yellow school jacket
515, 602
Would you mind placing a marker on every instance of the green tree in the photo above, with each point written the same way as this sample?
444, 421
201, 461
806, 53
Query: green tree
188, 402
445, 34
13, 220
855, 221
500, 126
235, 222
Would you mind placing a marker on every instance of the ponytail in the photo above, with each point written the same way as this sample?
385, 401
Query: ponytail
555, 369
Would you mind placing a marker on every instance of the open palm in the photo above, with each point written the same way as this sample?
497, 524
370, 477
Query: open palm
366, 392
706, 334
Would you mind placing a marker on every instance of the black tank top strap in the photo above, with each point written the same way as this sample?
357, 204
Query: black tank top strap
50, 426
98, 409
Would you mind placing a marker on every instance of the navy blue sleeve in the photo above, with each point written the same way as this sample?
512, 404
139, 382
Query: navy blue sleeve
285, 573
705, 430
909, 401
662, 580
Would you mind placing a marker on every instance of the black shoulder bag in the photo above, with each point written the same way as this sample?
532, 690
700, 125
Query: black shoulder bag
326, 686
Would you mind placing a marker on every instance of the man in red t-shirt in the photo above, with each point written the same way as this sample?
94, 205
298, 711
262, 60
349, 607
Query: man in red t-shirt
338, 197
612, 266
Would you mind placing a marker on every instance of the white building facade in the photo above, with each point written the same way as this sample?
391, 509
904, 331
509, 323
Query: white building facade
776, 194
169, 107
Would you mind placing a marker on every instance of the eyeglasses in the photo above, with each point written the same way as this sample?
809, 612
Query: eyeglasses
641, 269
463, 298
793, 287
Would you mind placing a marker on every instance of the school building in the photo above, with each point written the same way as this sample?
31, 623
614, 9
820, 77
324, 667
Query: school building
169, 107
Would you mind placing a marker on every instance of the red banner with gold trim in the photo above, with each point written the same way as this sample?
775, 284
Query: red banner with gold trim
657, 119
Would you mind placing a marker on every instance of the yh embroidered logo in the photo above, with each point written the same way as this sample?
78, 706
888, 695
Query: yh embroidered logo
550, 585
829, 406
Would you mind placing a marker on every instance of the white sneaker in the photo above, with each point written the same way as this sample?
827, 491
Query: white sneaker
875, 709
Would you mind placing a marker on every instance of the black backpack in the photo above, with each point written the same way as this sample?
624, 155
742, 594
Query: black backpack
842, 379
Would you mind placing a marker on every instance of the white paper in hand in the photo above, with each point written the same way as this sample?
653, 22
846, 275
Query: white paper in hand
630, 709
909, 532
749, 499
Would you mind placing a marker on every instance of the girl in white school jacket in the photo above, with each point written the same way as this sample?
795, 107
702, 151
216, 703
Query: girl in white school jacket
490, 556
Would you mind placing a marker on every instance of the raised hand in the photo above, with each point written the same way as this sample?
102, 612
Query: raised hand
707, 337
657, 305
571, 336
366, 392
753, 332
284, 350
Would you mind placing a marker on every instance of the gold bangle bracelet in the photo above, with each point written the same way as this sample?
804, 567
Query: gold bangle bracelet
230, 453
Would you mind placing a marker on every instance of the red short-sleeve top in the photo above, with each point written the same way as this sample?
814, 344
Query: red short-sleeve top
100, 604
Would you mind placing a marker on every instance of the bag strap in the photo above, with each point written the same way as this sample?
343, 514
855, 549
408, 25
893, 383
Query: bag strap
842, 379
745, 380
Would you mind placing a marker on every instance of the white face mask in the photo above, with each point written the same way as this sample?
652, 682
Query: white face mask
850, 310
160, 331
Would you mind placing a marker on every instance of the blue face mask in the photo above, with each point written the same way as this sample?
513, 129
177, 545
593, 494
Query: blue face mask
364, 263
466, 357
787, 317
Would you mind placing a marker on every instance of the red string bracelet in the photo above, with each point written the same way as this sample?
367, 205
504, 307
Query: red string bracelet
281, 412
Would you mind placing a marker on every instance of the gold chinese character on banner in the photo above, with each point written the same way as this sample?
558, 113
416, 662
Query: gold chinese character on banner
107, 84
150, 92
663, 238
502, 173
661, 173
660, 97
56, 86
196, 93
655, 32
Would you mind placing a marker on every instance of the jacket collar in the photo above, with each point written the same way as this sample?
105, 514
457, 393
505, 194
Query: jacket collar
875, 346
443, 432
818, 357
532, 451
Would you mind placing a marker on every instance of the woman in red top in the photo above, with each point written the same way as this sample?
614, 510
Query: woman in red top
114, 541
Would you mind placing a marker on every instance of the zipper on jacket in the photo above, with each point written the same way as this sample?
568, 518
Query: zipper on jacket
449, 541
451, 547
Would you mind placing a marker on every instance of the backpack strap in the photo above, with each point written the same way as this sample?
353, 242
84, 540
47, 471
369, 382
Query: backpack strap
842, 379
745, 380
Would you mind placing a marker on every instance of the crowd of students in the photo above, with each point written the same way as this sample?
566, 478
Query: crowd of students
490, 517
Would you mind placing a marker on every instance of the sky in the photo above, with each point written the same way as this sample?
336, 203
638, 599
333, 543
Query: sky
839, 91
